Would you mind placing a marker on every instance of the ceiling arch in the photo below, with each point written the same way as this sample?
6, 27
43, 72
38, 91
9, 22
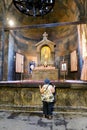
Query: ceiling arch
65, 12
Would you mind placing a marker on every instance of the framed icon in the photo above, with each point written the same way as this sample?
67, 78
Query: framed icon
73, 59
19, 63
64, 66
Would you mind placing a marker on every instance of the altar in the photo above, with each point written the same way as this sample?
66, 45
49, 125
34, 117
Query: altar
45, 67
40, 73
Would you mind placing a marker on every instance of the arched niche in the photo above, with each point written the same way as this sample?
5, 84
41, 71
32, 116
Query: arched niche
45, 51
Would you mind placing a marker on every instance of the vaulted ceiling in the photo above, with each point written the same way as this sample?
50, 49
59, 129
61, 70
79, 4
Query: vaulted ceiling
57, 23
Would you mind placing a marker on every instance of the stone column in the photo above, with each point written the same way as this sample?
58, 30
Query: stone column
11, 58
80, 60
53, 57
2, 40
38, 58
2, 55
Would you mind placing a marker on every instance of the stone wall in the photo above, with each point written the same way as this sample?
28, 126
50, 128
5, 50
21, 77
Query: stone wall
52, 74
26, 96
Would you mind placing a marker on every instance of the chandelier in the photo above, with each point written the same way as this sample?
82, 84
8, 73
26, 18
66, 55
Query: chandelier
34, 7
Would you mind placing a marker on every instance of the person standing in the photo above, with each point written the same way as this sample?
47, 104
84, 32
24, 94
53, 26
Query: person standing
47, 95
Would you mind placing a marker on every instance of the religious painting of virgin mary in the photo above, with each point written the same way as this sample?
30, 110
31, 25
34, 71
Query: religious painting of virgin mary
45, 55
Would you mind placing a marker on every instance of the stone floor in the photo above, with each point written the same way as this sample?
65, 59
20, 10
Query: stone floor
35, 121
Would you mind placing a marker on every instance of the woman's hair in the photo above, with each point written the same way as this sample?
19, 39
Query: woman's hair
46, 81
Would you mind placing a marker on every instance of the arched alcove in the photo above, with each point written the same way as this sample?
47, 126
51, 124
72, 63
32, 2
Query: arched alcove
45, 51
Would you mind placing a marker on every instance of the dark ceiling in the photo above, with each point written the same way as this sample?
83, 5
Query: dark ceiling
54, 23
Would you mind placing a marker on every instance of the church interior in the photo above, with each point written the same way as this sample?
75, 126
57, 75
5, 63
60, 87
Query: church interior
47, 43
